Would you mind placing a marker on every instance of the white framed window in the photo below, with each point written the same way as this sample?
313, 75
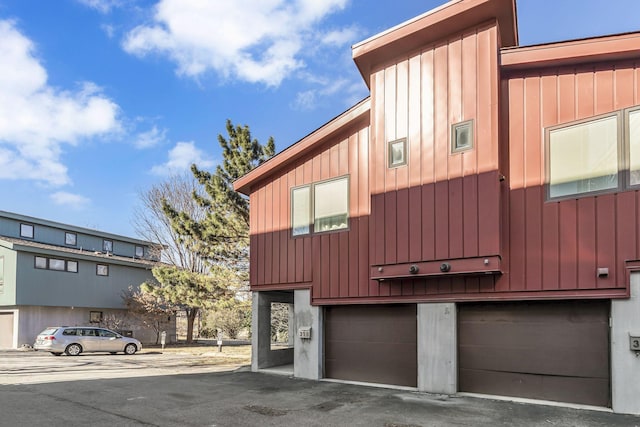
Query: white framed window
633, 138
139, 252
301, 210
107, 245
397, 153
70, 239
331, 205
26, 230
102, 270
320, 207
584, 156
462, 136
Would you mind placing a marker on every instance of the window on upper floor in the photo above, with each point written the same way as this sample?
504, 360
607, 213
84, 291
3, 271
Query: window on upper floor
107, 245
41, 262
70, 239
139, 251
72, 266
102, 270
633, 136
462, 136
596, 155
320, 207
26, 230
56, 264
584, 156
397, 153
301, 210
331, 205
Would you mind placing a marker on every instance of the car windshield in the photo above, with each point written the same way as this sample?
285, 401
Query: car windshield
49, 331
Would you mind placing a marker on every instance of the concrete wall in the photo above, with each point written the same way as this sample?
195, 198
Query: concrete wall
308, 353
625, 364
437, 348
29, 321
261, 354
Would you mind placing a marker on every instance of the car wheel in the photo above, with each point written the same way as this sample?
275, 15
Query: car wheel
56, 353
130, 349
73, 350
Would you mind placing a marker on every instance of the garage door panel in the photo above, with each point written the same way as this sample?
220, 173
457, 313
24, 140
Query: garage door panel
6, 330
546, 350
532, 334
371, 344
392, 331
587, 391
554, 362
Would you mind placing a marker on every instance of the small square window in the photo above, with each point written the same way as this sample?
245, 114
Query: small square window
26, 230
41, 262
56, 264
72, 266
397, 153
102, 270
107, 245
95, 316
70, 239
462, 136
139, 252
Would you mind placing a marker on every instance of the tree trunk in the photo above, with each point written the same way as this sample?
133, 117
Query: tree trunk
192, 313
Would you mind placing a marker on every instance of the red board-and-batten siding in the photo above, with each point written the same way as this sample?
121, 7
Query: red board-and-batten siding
436, 207
559, 245
443, 206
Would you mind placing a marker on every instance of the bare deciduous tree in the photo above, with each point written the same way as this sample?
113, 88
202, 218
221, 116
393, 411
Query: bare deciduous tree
152, 224
147, 309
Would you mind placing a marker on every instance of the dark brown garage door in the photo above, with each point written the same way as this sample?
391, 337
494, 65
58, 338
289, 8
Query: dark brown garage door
542, 350
374, 344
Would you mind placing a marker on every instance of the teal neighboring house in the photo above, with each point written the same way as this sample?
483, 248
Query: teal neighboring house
54, 274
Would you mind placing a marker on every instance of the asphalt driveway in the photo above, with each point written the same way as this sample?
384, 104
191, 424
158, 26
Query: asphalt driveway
242, 398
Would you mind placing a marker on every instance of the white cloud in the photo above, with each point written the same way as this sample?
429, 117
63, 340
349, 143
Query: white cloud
102, 6
150, 138
341, 37
258, 41
37, 119
180, 159
351, 92
109, 30
70, 200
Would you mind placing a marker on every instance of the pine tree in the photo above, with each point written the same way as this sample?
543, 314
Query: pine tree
222, 237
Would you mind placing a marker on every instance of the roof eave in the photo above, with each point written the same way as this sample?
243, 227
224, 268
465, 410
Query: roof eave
437, 24
354, 114
596, 49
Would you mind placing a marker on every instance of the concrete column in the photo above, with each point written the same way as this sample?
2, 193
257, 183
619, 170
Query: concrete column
625, 364
437, 348
260, 328
292, 328
308, 353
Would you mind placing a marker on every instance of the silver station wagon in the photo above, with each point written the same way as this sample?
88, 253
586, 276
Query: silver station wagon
73, 340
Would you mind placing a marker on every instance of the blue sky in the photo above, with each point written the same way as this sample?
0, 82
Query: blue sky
100, 99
